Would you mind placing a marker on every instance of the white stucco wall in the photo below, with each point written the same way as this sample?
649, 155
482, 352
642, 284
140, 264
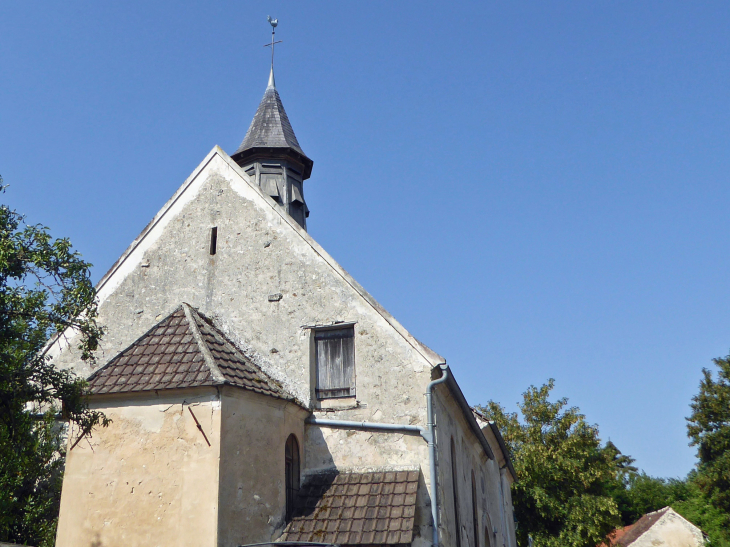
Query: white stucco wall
671, 530
147, 479
494, 503
254, 430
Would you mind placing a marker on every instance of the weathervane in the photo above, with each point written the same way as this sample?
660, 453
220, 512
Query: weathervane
273, 23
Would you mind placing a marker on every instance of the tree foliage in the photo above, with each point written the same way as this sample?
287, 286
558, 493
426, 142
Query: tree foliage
644, 494
709, 429
562, 495
45, 291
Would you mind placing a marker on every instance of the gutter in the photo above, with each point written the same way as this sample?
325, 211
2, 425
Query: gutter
427, 433
466, 409
432, 450
503, 448
368, 426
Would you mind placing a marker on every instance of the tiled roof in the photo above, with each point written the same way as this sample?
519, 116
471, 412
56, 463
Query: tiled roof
613, 538
355, 509
623, 537
270, 127
182, 350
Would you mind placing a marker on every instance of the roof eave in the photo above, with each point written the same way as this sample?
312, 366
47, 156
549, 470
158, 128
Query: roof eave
504, 449
275, 152
436, 373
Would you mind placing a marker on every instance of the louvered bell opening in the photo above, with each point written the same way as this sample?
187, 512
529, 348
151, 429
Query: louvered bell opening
270, 186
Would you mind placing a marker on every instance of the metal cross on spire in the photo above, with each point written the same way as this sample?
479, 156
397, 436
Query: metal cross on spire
273, 23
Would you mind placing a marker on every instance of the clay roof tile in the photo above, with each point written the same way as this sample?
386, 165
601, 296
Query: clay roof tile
357, 508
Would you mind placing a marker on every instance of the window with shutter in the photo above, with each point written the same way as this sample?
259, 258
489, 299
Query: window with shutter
335, 355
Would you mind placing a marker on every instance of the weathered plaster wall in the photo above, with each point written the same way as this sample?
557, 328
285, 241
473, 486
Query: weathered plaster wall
494, 511
254, 430
261, 253
671, 530
149, 479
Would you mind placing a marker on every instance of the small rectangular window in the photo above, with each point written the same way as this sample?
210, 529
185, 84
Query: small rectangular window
213, 240
335, 360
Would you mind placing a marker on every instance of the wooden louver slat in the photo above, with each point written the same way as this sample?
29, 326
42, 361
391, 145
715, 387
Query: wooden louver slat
335, 363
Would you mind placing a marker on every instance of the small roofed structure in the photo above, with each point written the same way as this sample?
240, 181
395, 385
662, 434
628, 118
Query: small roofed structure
184, 350
665, 527
352, 508
271, 156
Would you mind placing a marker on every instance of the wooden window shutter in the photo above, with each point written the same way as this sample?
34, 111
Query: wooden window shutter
335, 363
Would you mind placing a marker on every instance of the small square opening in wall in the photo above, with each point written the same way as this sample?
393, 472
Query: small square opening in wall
213, 240
335, 362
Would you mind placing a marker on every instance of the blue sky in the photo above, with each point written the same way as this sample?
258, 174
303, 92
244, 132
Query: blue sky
533, 189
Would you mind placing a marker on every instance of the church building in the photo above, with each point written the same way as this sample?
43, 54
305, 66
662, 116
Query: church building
259, 394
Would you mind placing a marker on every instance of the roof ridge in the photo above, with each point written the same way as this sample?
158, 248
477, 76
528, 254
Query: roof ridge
185, 349
195, 330
140, 337
218, 334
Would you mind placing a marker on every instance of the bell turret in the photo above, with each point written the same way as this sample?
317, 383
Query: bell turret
270, 154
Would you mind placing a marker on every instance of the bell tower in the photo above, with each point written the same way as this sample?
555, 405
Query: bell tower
270, 153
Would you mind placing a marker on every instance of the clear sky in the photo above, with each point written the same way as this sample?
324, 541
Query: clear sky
533, 189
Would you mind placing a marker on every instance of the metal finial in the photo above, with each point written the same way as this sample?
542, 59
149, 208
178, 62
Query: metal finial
273, 23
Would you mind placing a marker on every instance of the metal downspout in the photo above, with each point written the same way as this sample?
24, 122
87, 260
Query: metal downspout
431, 426
428, 434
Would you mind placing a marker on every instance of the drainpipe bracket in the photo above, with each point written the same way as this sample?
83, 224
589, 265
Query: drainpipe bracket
427, 436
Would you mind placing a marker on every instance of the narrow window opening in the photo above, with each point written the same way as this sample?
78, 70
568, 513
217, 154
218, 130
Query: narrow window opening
454, 479
474, 511
291, 474
213, 240
335, 361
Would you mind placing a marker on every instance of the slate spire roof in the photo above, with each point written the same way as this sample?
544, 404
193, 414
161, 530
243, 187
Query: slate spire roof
182, 350
270, 128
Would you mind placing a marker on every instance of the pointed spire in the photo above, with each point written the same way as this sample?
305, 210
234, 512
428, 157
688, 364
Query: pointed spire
270, 153
271, 129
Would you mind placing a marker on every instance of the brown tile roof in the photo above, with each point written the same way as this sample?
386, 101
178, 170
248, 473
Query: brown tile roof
623, 537
355, 509
613, 538
182, 350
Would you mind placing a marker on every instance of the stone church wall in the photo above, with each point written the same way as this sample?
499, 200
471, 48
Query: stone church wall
494, 505
267, 286
259, 255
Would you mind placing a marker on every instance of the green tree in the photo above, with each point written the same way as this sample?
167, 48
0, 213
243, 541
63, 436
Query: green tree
709, 429
561, 496
45, 291
644, 494
618, 486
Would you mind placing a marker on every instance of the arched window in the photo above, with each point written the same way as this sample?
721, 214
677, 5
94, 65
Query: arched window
454, 479
291, 474
474, 512
487, 537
